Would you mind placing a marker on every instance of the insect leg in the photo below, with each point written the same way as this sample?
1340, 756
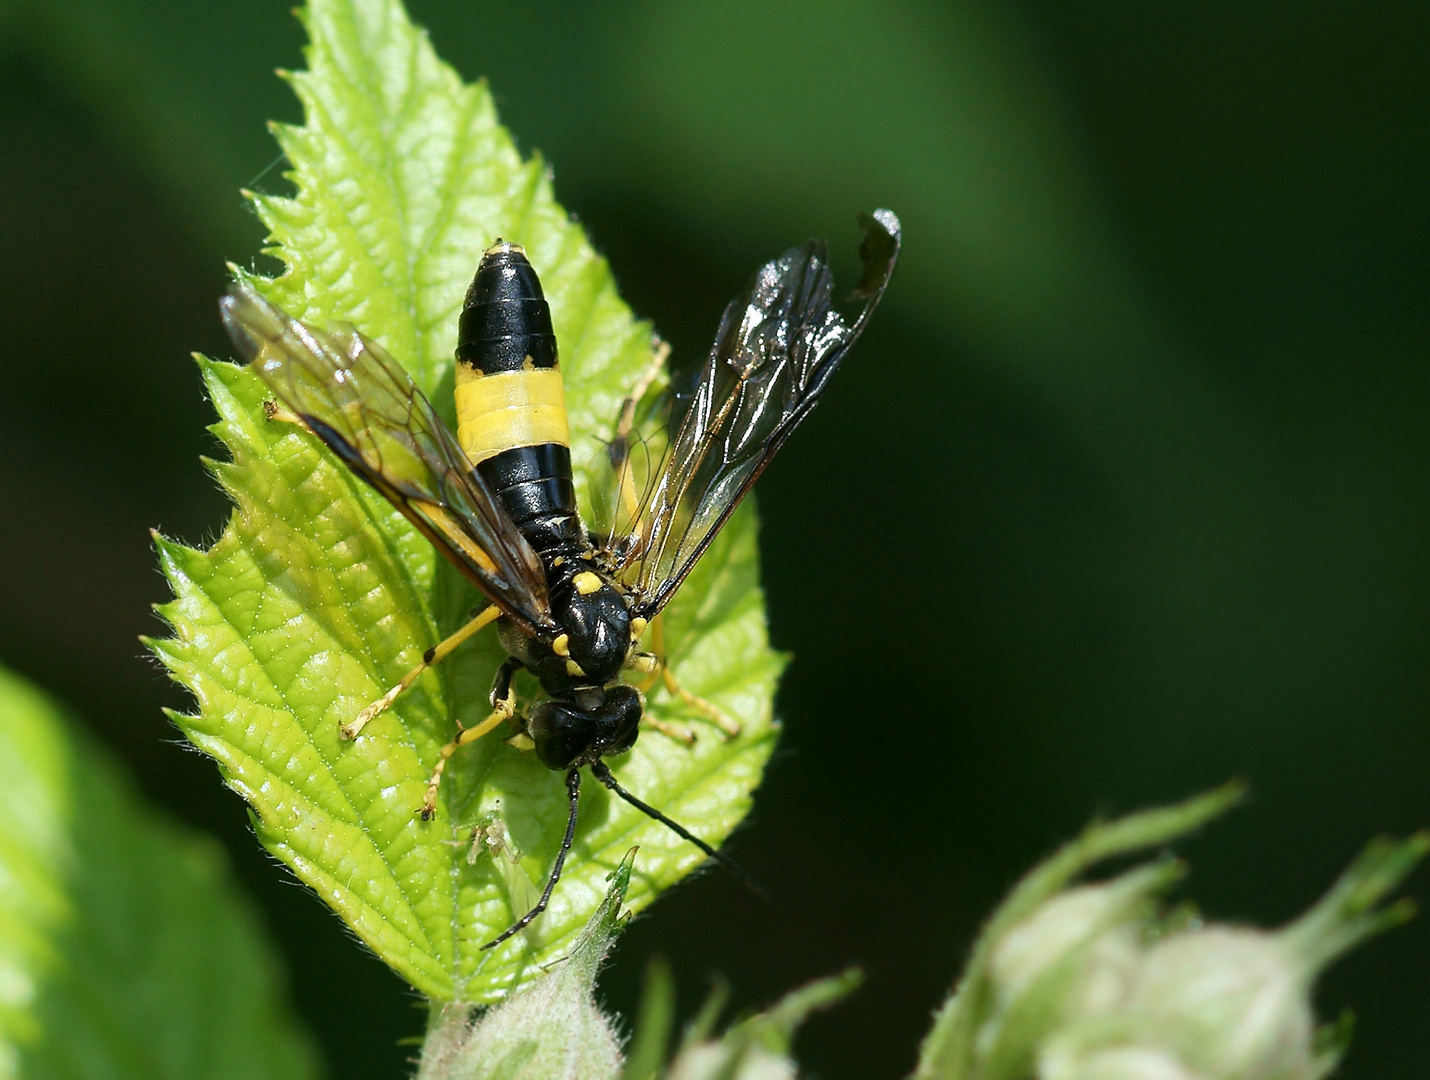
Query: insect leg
620, 448
679, 732
649, 664
646, 663
432, 656
660, 670
503, 709
712, 712
573, 790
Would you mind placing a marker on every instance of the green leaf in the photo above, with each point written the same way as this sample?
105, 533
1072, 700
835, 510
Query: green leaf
36, 811
125, 950
645, 1058
552, 1029
318, 596
1352, 911
950, 1044
758, 1047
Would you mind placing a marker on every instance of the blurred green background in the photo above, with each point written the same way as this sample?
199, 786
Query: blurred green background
1126, 490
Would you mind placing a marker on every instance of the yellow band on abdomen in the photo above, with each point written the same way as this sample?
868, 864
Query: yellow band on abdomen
508, 409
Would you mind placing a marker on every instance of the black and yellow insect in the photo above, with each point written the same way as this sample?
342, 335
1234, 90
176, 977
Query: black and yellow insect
498, 499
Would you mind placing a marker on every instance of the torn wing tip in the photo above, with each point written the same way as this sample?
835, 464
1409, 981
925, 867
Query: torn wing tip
878, 252
888, 221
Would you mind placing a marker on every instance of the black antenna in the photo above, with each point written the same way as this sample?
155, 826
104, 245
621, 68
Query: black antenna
603, 774
573, 788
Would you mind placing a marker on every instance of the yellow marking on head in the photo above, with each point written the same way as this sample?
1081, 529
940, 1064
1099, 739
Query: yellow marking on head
561, 645
574, 669
586, 582
521, 742
638, 625
509, 409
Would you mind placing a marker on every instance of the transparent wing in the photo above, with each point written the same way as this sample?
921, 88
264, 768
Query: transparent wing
778, 344
350, 393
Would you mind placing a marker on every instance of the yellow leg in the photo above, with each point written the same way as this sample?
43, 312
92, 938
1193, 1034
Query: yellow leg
649, 664
503, 710
711, 711
656, 664
627, 417
431, 657
646, 664
621, 444
679, 732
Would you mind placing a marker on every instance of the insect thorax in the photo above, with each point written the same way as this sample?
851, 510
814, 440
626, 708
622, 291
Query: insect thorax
594, 637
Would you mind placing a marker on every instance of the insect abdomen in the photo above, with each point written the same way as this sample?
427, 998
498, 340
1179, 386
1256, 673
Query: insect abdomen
511, 407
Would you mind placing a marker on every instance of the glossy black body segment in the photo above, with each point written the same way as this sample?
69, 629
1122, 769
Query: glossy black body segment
534, 484
505, 317
567, 734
